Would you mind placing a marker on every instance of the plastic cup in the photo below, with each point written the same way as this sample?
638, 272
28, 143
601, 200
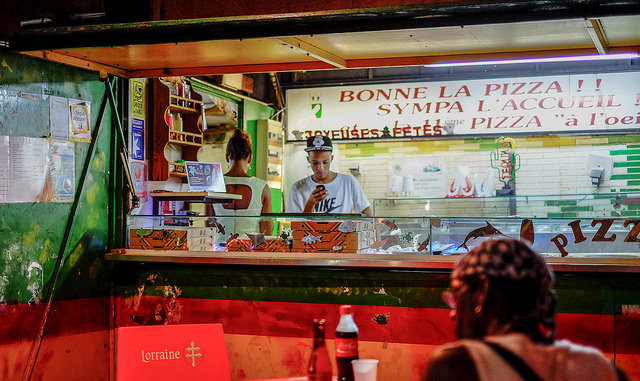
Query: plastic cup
365, 369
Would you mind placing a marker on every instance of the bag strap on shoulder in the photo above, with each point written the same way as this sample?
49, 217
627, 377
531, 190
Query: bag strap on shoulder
516, 362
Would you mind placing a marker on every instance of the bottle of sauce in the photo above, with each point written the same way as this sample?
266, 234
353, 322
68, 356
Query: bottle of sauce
346, 344
319, 368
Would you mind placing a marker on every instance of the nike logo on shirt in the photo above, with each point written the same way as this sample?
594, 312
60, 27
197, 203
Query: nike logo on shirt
326, 206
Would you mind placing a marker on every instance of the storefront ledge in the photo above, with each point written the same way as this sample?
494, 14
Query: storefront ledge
416, 261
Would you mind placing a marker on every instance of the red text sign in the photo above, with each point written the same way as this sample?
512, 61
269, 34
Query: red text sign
575, 103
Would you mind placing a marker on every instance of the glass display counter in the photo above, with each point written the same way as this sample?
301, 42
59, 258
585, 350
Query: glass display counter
612, 244
593, 205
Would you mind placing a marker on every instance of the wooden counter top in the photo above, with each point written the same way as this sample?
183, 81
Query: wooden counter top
417, 261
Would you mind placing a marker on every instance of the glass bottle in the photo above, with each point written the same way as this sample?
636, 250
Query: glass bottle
346, 344
319, 368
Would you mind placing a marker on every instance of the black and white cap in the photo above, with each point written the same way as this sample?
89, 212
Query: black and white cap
319, 143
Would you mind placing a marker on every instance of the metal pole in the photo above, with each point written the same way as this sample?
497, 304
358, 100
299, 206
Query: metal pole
124, 155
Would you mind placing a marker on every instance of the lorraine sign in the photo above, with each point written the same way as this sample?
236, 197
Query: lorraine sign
172, 352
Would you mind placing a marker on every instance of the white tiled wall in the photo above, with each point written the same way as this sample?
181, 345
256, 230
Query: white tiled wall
543, 171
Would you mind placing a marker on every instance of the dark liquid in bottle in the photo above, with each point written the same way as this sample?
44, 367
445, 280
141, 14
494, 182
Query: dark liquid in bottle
345, 369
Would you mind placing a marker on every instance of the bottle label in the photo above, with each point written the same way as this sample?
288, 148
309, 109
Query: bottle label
347, 347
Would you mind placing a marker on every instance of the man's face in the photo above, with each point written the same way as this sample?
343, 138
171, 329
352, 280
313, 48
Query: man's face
320, 162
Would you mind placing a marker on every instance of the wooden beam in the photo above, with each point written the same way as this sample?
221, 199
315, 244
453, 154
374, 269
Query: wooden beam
362, 63
50, 55
213, 70
314, 51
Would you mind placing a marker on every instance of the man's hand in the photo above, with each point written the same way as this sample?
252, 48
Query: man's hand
317, 196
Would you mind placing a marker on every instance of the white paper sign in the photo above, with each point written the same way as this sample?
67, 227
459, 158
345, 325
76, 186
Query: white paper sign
528, 105
24, 175
420, 176
59, 117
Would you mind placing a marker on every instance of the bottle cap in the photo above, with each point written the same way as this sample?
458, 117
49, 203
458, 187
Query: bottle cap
346, 309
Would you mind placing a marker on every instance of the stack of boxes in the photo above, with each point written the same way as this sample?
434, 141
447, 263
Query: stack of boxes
183, 238
347, 236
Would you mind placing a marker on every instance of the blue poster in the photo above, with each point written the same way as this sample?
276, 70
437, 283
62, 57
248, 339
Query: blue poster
137, 139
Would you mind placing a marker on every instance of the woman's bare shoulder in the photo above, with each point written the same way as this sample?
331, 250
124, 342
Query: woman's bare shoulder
450, 363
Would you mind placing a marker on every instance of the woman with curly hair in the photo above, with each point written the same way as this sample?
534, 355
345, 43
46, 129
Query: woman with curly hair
504, 311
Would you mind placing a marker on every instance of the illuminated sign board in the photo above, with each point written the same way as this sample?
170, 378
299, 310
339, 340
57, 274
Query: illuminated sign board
547, 104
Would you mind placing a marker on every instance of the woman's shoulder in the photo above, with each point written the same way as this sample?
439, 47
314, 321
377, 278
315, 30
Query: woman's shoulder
244, 180
450, 362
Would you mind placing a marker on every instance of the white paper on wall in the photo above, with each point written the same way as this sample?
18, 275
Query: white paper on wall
420, 176
24, 164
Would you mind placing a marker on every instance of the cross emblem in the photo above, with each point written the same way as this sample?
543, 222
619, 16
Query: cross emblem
193, 353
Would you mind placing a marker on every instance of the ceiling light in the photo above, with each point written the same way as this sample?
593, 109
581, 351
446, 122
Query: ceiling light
597, 57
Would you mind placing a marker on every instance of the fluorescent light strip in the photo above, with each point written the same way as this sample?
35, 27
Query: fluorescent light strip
599, 57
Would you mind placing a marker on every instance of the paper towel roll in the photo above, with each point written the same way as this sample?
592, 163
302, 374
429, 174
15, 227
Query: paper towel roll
395, 185
407, 184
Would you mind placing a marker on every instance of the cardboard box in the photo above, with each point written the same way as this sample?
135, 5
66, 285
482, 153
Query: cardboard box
361, 236
239, 245
332, 226
272, 245
277, 245
158, 239
182, 238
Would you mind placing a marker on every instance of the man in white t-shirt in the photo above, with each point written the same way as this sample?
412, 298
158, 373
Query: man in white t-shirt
326, 191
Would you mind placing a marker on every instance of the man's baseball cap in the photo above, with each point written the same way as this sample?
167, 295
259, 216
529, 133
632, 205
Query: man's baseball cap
319, 143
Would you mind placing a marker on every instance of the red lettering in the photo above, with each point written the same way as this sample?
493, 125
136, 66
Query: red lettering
346, 94
541, 103
633, 234
535, 87
561, 242
369, 94
385, 111
442, 95
602, 231
419, 93
490, 88
477, 122
440, 105
518, 85
577, 232
584, 101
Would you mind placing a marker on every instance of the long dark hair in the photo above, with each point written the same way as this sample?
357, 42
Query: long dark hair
239, 145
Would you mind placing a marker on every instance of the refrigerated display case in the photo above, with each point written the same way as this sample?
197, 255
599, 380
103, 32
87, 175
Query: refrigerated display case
422, 242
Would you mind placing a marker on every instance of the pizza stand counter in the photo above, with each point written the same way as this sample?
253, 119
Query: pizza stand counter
585, 245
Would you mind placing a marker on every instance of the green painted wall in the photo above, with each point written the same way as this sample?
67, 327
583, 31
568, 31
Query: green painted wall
252, 113
31, 233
